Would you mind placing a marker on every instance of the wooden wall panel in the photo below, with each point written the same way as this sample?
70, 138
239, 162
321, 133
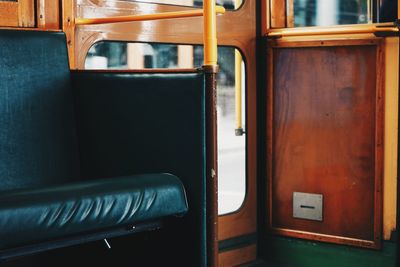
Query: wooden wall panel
326, 138
9, 14
17, 13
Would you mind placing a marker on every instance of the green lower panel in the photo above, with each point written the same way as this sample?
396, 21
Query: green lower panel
300, 253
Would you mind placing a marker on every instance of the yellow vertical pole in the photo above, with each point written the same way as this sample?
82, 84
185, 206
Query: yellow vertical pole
238, 87
210, 33
238, 93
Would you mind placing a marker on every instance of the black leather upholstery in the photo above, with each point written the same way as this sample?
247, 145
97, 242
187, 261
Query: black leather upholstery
38, 144
131, 126
33, 215
141, 123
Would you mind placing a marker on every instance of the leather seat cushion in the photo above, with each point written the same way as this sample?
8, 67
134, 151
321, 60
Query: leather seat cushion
32, 215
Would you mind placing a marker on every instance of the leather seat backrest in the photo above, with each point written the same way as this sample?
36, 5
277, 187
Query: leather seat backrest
38, 144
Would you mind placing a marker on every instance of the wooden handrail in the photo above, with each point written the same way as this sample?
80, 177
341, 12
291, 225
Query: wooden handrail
331, 31
209, 12
145, 17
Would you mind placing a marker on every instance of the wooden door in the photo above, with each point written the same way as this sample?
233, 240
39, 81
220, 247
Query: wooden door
325, 137
17, 13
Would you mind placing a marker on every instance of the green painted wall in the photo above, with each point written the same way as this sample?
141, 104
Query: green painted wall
300, 253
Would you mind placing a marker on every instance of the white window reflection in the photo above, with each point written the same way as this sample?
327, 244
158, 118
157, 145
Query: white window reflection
330, 12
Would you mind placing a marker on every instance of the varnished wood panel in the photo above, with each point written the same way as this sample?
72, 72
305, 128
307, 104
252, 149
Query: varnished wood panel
290, 14
325, 122
140, 71
68, 26
391, 137
17, 14
9, 14
265, 17
211, 167
26, 13
48, 14
278, 13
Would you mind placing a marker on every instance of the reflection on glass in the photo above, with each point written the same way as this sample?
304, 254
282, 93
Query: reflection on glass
330, 12
231, 148
228, 4
388, 11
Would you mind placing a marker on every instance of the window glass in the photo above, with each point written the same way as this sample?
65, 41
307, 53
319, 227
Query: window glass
231, 148
330, 12
387, 11
228, 4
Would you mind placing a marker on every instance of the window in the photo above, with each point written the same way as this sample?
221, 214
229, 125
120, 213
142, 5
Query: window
387, 11
330, 12
301, 13
231, 148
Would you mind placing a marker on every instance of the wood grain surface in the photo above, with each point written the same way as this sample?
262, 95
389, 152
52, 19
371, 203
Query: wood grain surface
325, 113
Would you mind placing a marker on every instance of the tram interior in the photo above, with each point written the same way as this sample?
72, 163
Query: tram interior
251, 133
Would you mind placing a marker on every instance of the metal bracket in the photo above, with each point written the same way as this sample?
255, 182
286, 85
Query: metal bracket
107, 244
396, 23
307, 206
239, 132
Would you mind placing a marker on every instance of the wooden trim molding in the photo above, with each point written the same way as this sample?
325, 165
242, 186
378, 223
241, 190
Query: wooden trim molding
265, 17
324, 238
290, 14
278, 13
378, 157
211, 168
323, 42
26, 13
48, 14
68, 26
391, 136
140, 71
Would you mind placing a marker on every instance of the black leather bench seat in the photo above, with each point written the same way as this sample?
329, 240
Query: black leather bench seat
83, 157
32, 215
